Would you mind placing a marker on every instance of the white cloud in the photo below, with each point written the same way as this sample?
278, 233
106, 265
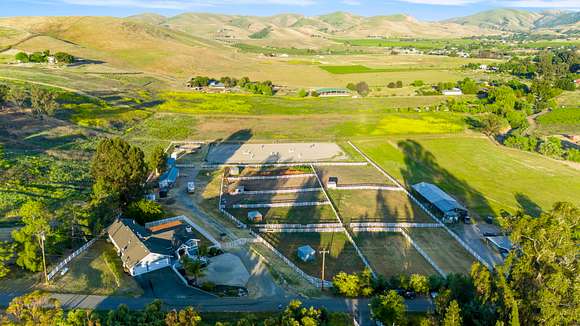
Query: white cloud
181, 4
352, 2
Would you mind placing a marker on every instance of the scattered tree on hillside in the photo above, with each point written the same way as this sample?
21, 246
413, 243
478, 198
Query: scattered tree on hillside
4, 91
362, 88
22, 57
552, 147
389, 309
18, 97
351, 86
42, 101
492, 124
62, 57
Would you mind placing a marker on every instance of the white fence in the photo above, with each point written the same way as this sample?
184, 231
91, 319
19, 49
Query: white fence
257, 165
375, 229
311, 279
423, 253
277, 191
273, 177
289, 204
238, 243
368, 187
302, 230
298, 226
185, 219
455, 236
67, 260
231, 217
395, 225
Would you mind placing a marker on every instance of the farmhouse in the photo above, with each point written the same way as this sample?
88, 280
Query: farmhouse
143, 250
452, 92
449, 208
306, 253
330, 92
139, 253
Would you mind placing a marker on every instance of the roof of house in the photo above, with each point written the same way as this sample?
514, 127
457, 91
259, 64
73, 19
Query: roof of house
437, 197
135, 242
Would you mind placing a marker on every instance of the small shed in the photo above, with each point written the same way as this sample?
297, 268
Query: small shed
255, 216
238, 190
234, 170
306, 253
332, 182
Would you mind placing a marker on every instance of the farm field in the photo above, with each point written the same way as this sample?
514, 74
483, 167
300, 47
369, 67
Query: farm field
377, 206
390, 254
560, 121
352, 175
289, 215
342, 256
483, 176
447, 253
360, 69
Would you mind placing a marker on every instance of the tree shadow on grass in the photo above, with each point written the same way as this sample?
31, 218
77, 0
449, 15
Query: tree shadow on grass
527, 205
421, 166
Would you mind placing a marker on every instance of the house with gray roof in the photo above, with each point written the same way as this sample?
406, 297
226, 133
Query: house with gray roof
140, 252
449, 209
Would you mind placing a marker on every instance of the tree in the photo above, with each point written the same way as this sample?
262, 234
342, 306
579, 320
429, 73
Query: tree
183, 317
453, 315
158, 160
302, 93
362, 88
38, 57
42, 101
492, 124
468, 86
18, 97
418, 83
399, 84
22, 57
389, 309
6, 254
419, 283
193, 268
351, 86
552, 147
482, 280
243, 81
144, 211
573, 155
118, 168
391, 85
354, 285
296, 315
542, 92
36, 231
4, 90
62, 57
33, 309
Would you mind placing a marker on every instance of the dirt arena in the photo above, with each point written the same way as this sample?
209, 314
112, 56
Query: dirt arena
275, 153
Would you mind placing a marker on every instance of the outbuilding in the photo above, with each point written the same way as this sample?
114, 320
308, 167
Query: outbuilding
331, 92
234, 170
306, 253
452, 92
446, 206
332, 183
255, 216
169, 178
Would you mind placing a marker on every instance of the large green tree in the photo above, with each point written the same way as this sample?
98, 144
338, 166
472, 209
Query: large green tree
118, 168
389, 309
36, 231
453, 315
42, 101
158, 160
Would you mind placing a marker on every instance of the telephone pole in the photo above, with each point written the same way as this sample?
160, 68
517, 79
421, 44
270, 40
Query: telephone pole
42, 238
323, 252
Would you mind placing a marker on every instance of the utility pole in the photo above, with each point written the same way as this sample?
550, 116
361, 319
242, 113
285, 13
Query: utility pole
323, 252
42, 239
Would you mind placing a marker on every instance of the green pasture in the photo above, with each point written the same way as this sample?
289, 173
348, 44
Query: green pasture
483, 175
560, 121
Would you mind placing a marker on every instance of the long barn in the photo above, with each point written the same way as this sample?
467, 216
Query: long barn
446, 206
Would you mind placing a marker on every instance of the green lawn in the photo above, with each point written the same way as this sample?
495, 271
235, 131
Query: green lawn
484, 176
560, 121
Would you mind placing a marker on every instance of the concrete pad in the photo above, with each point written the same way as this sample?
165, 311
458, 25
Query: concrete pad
226, 269
275, 153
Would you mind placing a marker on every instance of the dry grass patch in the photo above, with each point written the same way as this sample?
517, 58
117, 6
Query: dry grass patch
353, 175
289, 215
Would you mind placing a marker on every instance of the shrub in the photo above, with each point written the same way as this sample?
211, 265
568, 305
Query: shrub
552, 147
362, 88
399, 84
573, 155
418, 83
144, 211
22, 57
302, 93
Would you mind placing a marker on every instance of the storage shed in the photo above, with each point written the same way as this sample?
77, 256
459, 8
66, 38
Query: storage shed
306, 253
449, 209
255, 216
332, 183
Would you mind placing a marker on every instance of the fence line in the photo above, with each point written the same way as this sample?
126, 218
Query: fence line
231, 217
423, 253
368, 187
298, 226
272, 177
455, 236
238, 243
257, 165
288, 204
375, 229
67, 260
186, 220
302, 230
277, 191
397, 225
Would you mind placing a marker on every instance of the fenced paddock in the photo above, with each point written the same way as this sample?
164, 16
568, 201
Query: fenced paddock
353, 175
289, 215
275, 153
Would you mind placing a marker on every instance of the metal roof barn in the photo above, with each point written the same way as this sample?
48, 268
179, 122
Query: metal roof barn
438, 198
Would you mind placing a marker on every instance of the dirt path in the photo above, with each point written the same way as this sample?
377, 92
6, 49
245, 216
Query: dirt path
533, 125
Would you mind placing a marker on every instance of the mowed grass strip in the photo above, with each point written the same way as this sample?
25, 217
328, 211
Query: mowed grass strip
377, 206
288, 215
482, 175
443, 249
342, 256
390, 254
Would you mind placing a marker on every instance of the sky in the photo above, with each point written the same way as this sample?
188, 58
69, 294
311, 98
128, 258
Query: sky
422, 9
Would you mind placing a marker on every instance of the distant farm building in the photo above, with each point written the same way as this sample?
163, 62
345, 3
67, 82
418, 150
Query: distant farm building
452, 92
447, 207
306, 253
330, 92
255, 216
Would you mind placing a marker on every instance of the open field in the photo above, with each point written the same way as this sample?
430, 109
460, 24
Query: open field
289, 215
447, 253
360, 69
377, 206
560, 121
90, 274
484, 176
230, 200
342, 257
352, 175
390, 254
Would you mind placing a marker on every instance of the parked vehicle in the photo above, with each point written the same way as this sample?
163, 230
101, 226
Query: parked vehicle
191, 187
163, 192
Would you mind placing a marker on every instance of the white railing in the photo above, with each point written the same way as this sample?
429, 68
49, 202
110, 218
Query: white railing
395, 225
233, 218
375, 229
277, 191
238, 243
67, 260
298, 226
288, 204
455, 236
367, 187
257, 165
272, 177
302, 230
